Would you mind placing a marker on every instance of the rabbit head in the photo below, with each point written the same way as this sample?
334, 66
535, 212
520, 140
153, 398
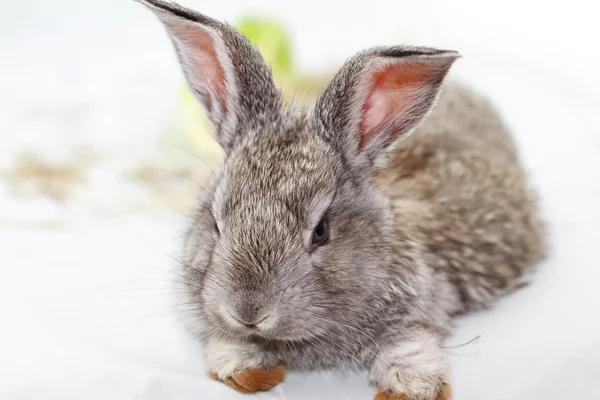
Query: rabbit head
292, 238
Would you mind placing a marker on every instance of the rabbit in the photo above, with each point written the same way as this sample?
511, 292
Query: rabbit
347, 235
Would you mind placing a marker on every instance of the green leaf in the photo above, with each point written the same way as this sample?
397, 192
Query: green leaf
272, 39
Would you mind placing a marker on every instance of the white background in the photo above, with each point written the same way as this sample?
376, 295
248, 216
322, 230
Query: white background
83, 306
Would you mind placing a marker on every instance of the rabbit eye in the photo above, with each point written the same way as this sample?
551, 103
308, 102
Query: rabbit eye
320, 234
216, 227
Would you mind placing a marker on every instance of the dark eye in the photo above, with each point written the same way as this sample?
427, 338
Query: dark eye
321, 233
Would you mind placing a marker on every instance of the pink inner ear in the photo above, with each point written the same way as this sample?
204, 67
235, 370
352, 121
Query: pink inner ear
394, 95
200, 58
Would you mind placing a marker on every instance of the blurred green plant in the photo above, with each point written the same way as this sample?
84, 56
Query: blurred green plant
273, 41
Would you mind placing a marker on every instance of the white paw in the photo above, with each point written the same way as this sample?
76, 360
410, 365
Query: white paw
417, 369
226, 359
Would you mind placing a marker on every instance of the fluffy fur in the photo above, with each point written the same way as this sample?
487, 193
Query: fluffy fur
422, 227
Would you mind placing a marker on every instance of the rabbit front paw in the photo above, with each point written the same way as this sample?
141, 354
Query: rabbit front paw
253, 380
411, 368
243, 367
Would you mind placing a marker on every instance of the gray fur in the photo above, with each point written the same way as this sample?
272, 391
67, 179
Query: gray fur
446, 227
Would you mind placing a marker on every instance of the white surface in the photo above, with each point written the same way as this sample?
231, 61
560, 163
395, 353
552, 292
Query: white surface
85, 311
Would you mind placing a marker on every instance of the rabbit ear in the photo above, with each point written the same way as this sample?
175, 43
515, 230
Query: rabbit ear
226, 74
379, 97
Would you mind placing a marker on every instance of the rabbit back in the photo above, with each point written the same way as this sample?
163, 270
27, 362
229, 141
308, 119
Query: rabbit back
459, 191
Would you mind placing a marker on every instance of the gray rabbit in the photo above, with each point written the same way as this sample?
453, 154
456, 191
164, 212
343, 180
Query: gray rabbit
350, 234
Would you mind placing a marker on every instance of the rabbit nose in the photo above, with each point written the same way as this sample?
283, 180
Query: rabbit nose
247, 322
248, 313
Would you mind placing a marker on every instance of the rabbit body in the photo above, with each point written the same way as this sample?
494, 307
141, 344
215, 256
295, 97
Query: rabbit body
458, 190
